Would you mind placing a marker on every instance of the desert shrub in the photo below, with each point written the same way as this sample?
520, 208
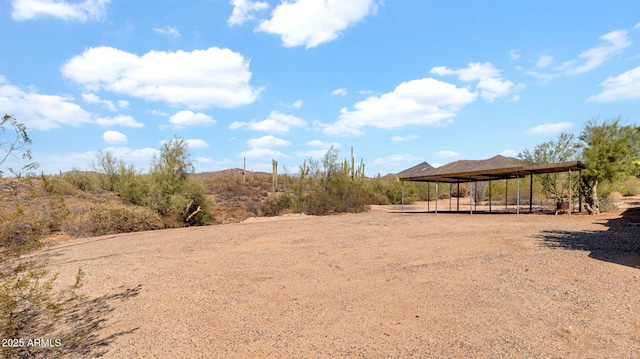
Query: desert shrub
23, 228
112, 217
608, 204
168, 189
31, 308
275, 205
84, 181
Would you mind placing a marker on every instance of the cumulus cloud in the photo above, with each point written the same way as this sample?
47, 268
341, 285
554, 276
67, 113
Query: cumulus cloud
65, 10
196, 143
514, 55
189, 118
243, 10
549, 128
613, 43
262, 153
120, 120
313, 22
544, 61
94, 99
625, 86
39, 111
276, 123
114, 137
168, 31
395, 160
297, 104
490, 82
423, 102
321, 148
267, 142
196, 79
339, 92
404, 138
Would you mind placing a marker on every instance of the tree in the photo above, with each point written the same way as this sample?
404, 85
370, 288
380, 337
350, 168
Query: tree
564, 149
609, 150
14, 144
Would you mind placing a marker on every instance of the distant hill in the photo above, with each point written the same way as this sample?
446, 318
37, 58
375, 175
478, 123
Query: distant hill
416, 170
228, 173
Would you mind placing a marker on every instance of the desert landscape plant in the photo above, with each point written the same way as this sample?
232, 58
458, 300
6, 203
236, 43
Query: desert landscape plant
17, 142
610, 150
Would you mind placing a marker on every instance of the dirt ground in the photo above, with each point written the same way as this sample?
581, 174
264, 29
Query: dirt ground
375, 285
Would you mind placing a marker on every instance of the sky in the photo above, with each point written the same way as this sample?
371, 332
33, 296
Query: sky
399, 81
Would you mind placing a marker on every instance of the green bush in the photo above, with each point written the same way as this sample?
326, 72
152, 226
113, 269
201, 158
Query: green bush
275, 205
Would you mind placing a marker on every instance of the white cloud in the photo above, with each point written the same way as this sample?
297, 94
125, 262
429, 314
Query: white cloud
41, 112
544, 78
637, 26
322, 146
544, 61
189, 118
94, 99
82, 11
168, 31
514, 55
446, 154
276, 123
120, 120
313, 22
197, 79
423, 102
625, 86
614, 42
267, 142
262, 153
404, 138
196, 143
297, 104
395, 160
549, 128
509, 153
243, 10
339, 92
490, 82
114, 137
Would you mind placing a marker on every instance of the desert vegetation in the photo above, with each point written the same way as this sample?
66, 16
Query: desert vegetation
116, 198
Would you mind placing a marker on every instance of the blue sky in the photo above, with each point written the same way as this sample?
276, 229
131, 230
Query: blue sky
400, 81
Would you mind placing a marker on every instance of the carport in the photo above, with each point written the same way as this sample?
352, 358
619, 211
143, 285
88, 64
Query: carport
493, 169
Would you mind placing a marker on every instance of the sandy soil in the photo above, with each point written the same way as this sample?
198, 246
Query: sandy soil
374, 285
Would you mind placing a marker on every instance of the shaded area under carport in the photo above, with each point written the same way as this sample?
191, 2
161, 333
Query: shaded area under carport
492, 169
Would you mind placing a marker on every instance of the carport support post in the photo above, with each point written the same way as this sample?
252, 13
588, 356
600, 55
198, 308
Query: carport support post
437, 196
470, 196
450, 193
506, 195
428, 196
570, 208
531, 193
458, 198
518, 197
579, 192
402, 197
490, 196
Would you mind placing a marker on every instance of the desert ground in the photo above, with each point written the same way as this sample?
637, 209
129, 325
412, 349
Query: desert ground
372, 285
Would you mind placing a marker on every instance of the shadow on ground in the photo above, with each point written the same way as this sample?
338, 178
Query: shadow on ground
619, 244
78, 327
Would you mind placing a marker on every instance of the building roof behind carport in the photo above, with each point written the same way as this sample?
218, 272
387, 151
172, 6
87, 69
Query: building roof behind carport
495, 168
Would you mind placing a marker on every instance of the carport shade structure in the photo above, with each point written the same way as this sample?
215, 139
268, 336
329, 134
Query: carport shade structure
495, 168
